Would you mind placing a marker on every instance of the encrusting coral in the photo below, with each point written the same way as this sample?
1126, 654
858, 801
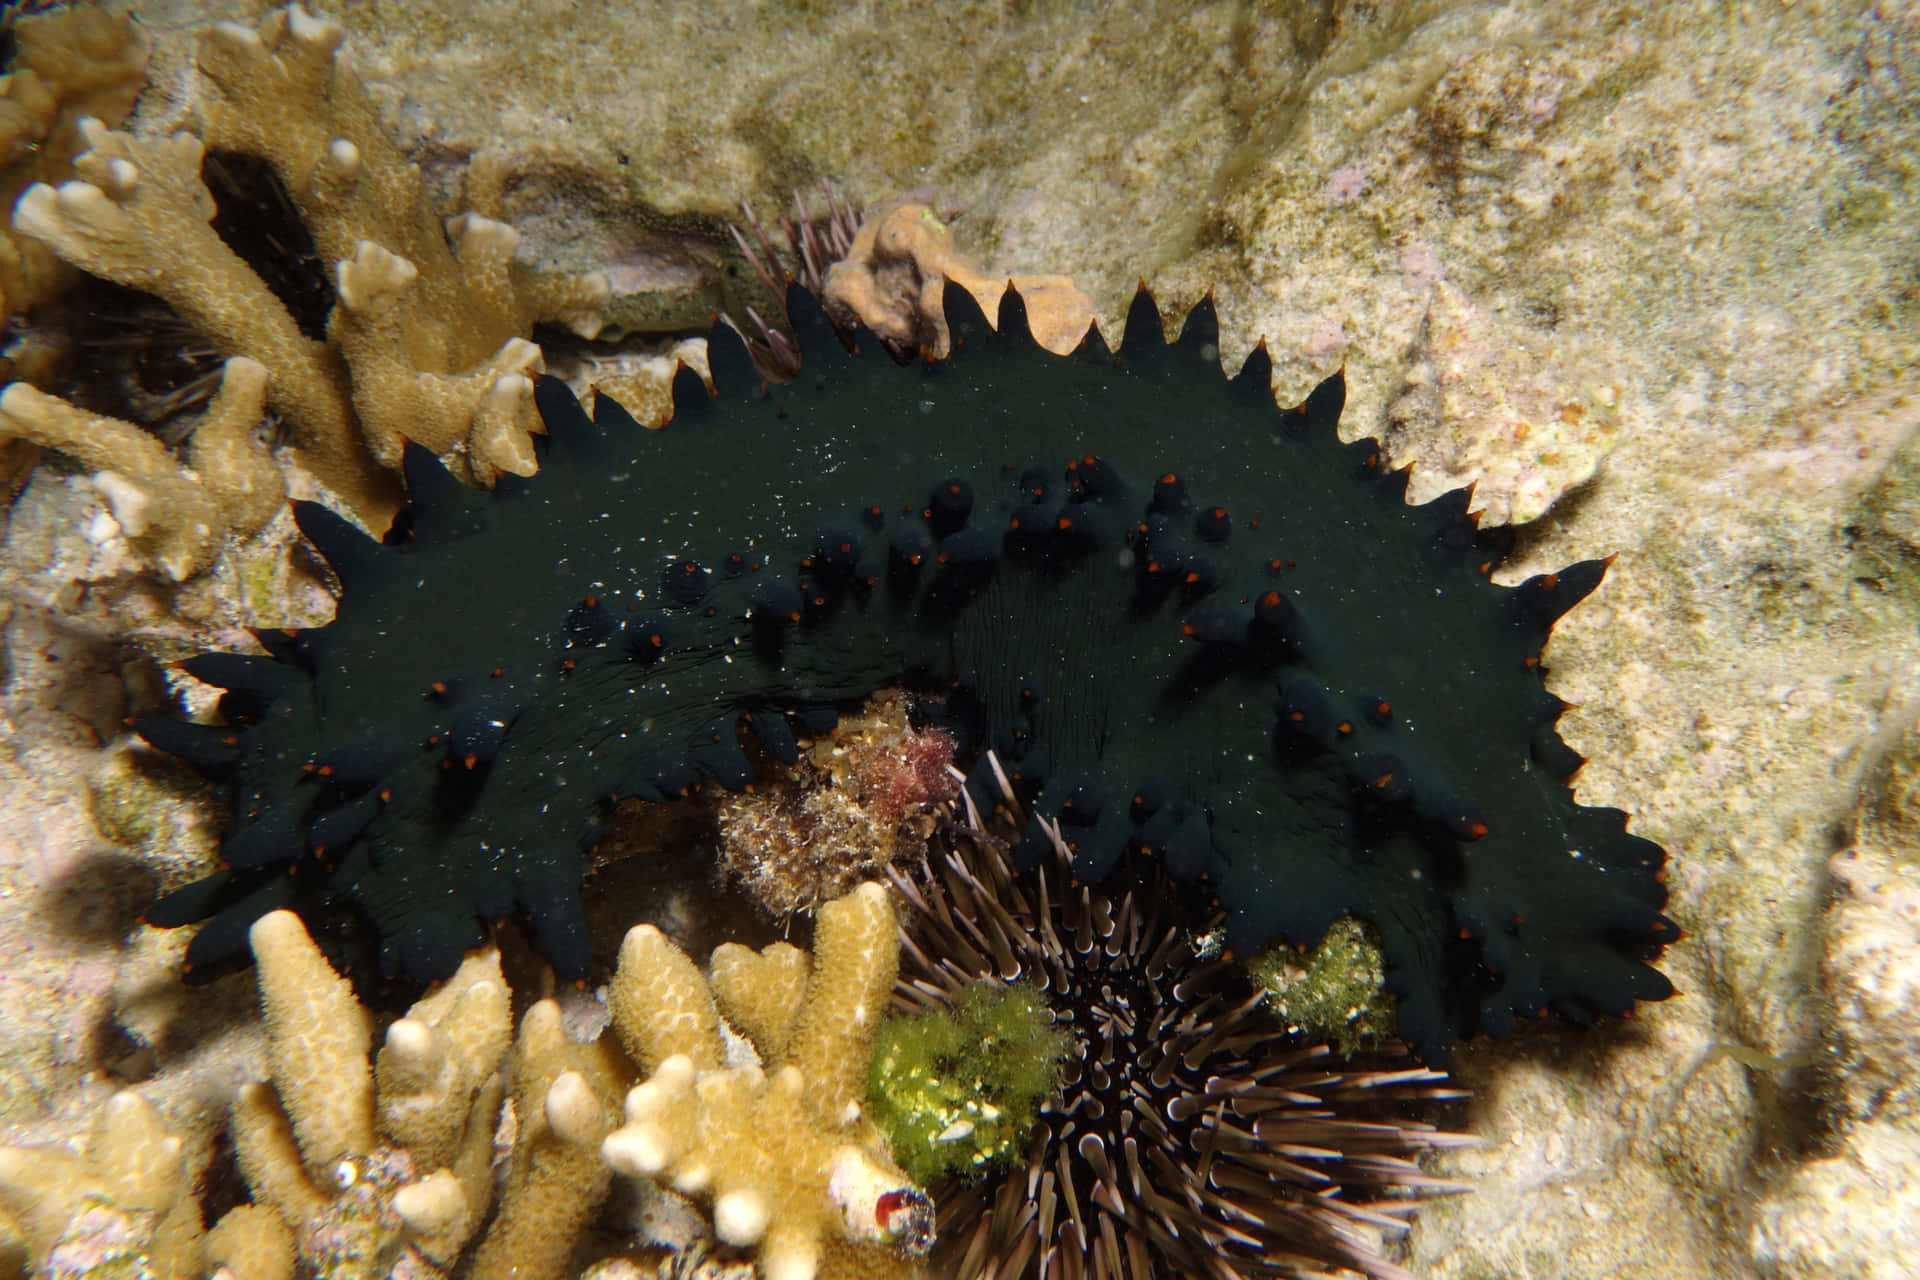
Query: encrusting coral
1523, 416
780, 1149
895, 273
427, 339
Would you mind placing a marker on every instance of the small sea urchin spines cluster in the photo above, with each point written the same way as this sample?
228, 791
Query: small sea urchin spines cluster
1190, 1135
813, 245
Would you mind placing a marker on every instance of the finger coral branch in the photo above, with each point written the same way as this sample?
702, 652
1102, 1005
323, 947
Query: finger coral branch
137, 214
661, 1006
357, 1172
428, 342
234, 467
432, 317
779, 1152
158, 507
436, 1059
856, 955
125, 1198
761, 991
566, 1097
269, 1157
282, 91
366, 1163
401, 387
250, 1242
437, 1214
317, 1040
174, 515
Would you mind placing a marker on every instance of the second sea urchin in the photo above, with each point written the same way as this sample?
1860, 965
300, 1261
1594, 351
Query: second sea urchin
1191, 1136
813, 246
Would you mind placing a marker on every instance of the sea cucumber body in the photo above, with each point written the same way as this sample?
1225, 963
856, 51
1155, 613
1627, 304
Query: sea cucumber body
1181, 616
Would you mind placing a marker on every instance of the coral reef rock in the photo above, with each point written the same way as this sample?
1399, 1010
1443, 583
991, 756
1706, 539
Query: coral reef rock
1522, 416
1852, 1211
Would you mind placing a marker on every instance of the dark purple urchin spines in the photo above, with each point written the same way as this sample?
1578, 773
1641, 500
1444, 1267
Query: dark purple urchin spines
813, 245
1190, 1136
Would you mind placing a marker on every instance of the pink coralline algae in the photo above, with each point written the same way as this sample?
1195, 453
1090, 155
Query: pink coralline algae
1346, 184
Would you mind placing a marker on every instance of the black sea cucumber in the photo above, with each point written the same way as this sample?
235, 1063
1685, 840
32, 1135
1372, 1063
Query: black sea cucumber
1182, 617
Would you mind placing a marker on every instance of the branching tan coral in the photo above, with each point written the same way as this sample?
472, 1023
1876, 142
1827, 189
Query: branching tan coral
361, 1173
387, 1171
176, 515
125, 1196
68, 65
567, 1098
762, 991
428, 340
138, 215
352, 1194
893, 278
282, 91
428, 336
251, 1242
781, 1152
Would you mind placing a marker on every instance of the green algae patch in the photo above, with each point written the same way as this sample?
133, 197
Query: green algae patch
957, 1090
1331, 993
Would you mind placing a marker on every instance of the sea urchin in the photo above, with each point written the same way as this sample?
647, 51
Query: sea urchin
1190, 1136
